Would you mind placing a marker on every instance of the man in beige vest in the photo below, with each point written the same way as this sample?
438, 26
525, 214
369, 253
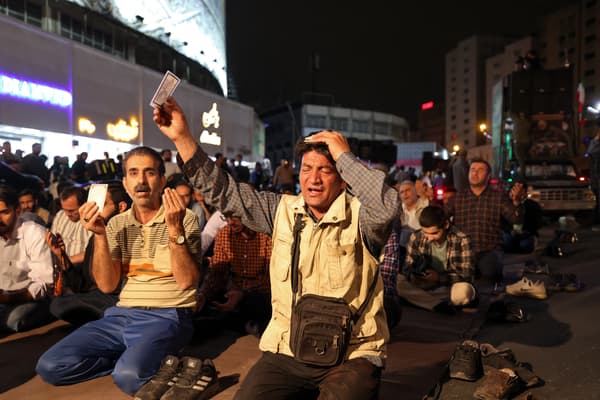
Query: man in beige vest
339, 249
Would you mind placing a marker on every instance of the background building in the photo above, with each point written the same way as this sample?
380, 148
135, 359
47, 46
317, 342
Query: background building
78, 79
372, 135
465, 88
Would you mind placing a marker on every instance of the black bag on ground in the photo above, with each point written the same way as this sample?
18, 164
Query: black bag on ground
320, 330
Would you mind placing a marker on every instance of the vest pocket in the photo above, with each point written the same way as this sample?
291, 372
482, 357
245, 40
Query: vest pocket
338, 257
280, 264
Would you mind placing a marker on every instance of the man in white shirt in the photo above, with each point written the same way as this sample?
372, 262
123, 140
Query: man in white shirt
25, 271
412, 205
170, 167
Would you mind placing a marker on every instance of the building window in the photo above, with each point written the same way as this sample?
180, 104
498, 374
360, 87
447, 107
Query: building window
466, 121
453, 127
590, 3
359, 125
466, 91
589, 56
466, 101
590, 38
25, 11
589, 72
466, 111
590, 21
316, 121
452, 117
381, 128
339, 124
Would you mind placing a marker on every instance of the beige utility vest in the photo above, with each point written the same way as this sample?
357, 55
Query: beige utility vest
334, 262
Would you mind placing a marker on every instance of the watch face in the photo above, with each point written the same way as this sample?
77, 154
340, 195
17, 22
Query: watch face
180, 239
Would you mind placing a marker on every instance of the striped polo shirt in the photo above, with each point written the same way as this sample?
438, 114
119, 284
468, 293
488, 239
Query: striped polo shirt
143, 251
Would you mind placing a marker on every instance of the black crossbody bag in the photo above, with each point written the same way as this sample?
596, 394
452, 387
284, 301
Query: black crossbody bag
321, 326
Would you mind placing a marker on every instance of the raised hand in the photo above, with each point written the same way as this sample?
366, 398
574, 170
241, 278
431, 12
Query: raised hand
174, 211
91, 218
171, 120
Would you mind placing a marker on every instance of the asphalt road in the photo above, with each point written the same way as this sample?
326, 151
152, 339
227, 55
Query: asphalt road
562, 339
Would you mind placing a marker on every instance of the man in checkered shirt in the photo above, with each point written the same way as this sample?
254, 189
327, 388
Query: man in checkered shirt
478, 211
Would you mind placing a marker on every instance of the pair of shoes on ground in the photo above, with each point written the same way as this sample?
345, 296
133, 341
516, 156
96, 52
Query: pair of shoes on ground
565, 282
187, 378
527, 287
471, 360
506, 311
536, 267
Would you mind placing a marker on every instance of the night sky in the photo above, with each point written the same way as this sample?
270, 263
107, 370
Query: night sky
385, 56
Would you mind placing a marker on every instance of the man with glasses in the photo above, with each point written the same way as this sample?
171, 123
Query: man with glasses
66, 224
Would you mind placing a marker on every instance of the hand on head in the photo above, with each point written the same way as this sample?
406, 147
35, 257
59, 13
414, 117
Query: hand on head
335, 141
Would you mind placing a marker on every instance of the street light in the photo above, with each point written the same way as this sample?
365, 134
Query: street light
483, 130
456, 148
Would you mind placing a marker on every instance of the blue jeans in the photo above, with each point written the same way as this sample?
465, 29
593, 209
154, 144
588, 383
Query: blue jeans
128, 343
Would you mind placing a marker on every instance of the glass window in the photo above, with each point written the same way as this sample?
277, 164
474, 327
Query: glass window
339, 124
359, 125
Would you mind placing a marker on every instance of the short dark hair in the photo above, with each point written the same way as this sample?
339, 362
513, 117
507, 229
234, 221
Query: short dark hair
9, 196
118, 193
481, 161
302, 147
432, 216
27, 192
145, 151
73, 191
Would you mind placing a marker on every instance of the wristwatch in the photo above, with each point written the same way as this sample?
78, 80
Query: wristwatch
177, 239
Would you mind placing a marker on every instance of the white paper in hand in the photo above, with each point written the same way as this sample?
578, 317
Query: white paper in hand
97, 194
166, 88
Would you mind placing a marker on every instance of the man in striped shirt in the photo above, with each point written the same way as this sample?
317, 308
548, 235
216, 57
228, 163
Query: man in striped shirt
151, 248
66, 223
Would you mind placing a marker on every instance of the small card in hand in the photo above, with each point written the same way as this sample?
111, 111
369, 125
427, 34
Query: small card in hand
166, 88
97, 194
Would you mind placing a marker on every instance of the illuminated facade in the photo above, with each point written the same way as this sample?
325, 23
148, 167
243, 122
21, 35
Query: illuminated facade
73, 97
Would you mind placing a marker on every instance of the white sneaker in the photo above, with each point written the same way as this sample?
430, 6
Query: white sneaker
526, 287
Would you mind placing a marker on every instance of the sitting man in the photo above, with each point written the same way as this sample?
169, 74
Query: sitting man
28, 202
438, 272
412, 206
66, 223
239, 272
78, 300
337, 255
522, 238
25, 271
154, 246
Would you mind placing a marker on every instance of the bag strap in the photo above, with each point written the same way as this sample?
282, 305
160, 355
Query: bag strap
295, 275
298, 226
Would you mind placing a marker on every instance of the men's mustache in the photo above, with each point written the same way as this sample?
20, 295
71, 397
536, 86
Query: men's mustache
142, 188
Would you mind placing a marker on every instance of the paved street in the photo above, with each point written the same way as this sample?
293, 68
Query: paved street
560, 342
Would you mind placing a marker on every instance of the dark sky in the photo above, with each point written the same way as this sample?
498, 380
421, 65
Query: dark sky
377, 55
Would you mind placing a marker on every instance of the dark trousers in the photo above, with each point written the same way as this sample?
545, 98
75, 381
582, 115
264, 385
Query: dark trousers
25, 316
523, 243
488, 266
277, 376
79, 308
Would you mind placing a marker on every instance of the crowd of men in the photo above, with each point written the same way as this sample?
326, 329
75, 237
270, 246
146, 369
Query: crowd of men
174, 240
